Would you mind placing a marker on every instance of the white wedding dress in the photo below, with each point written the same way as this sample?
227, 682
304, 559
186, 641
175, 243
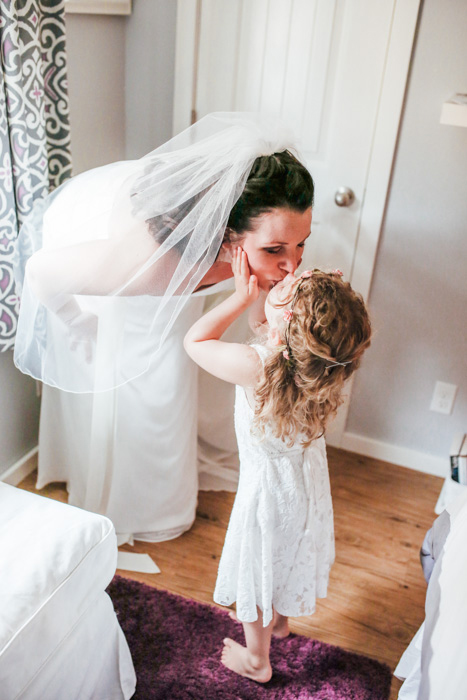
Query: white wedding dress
279, 545
130, 453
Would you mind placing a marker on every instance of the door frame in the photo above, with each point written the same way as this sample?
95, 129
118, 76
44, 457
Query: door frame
385, 134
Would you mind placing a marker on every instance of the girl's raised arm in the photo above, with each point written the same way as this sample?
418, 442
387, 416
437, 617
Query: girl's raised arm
233, 362
256, 316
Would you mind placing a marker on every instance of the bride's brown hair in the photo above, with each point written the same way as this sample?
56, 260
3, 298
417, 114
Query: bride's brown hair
302, 382
277, 181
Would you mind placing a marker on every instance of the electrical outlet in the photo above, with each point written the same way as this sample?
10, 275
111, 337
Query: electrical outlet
443, 398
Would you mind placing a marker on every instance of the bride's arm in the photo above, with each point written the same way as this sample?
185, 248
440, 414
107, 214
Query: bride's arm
96, 268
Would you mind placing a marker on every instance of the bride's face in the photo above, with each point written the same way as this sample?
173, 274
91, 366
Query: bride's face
275, 246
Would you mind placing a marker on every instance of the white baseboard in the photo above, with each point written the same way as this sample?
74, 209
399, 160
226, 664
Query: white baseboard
402, 456
20, 469
350, 441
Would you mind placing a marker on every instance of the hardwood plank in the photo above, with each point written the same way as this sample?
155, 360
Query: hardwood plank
377, 591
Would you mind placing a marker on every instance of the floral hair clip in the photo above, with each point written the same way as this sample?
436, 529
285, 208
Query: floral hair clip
288, 315
306, 273
338, 272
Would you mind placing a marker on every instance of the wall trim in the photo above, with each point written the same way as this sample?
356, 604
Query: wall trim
20, 469
403, 456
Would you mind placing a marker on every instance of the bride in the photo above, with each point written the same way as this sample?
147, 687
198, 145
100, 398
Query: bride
114, 266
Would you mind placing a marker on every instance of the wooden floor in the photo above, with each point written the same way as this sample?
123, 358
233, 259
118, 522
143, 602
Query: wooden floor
377, 590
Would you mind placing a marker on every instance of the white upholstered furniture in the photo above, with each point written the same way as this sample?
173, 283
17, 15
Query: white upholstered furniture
434, 663
59, 635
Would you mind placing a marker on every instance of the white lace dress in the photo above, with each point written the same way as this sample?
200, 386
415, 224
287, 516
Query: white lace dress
279, 545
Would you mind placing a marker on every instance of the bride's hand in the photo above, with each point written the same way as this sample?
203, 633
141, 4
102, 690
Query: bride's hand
246, 284
82, 332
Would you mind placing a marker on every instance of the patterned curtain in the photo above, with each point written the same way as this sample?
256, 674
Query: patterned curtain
34, 126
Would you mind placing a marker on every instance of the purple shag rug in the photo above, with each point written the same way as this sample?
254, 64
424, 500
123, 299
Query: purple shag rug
176, 646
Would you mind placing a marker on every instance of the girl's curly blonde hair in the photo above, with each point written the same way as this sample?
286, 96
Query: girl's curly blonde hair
302, 382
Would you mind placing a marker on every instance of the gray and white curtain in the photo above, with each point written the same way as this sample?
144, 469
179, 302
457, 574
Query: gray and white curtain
34, 126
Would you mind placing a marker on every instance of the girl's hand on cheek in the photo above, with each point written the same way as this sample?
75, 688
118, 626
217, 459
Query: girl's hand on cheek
246, 284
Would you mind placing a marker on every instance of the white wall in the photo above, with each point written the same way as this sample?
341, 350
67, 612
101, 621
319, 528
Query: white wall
120, 82
419, 294
150, 66
19, 413
96, 88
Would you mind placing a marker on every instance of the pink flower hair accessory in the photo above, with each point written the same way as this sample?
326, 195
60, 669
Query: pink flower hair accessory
306, 273
286, 355
288, 315
338, 272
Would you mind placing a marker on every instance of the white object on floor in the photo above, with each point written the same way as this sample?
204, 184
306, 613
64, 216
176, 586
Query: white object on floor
454, 110
409, 670
444, 675
434, 663
59, 634
131, 561
449, 494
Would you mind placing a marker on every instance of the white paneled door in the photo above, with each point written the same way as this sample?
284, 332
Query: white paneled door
336, 71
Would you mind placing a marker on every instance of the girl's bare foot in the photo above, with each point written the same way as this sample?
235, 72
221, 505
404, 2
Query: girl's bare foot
280, 627
239, 659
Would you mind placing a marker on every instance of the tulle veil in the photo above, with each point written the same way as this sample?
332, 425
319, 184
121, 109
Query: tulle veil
106, 263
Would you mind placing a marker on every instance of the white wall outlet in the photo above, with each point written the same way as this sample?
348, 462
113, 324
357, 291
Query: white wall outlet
443, 398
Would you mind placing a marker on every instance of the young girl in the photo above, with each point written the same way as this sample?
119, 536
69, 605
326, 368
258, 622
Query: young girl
279, 545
